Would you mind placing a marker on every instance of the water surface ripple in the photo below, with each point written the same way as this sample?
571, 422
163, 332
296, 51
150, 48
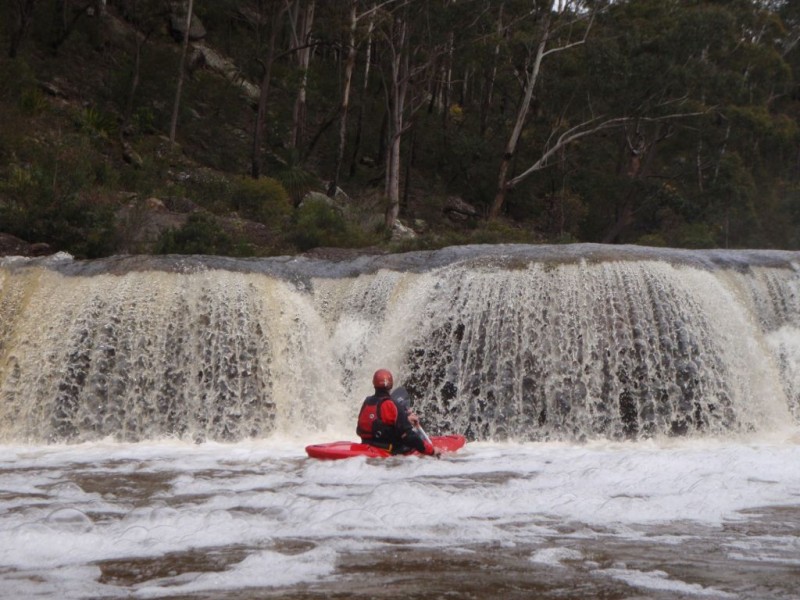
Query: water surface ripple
711, 519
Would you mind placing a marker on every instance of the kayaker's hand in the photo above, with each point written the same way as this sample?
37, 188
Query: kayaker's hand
413, 419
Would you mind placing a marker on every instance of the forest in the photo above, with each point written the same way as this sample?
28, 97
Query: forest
271, 127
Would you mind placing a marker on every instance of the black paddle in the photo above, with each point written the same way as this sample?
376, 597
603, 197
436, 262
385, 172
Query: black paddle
402, 398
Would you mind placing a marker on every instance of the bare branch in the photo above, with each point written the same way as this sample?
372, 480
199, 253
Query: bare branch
791, 44
378, 7
562, 48
573, 44
579, 131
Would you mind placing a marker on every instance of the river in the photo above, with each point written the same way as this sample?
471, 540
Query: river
696, 519
633, 417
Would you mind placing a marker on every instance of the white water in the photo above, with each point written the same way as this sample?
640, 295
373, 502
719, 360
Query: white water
68, 514
494, 343
695, 355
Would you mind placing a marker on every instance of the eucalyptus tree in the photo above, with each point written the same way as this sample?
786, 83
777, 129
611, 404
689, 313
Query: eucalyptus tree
19, 21
67, 14
181, 74
644, 64
758, 127
273, 12
409, 51
699, 84
551, 27
350, 62
301, 17
790, 15
360, 28
146, 16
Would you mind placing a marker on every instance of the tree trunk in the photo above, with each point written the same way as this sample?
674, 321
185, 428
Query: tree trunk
302, 33
348, 80
383, 138
181, 74
393, 182
639, 160
398, 89
263, 98
722, 151
137, 61
447, 80
23, 10
98, 29
365, 89
63, 24
522, 114
489, 93
60, 20
409, 166
699, 163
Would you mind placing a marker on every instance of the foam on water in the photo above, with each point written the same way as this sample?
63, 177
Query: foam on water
264, 569
67, 510
658, 580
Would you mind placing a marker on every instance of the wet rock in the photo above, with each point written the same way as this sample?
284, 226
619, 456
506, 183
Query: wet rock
11, 245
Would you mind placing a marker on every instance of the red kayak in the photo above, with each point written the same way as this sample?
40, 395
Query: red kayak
334, 450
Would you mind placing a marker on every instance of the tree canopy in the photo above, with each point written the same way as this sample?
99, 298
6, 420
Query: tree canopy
661, 122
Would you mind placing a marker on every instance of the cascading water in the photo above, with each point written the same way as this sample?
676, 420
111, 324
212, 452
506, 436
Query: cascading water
520, 342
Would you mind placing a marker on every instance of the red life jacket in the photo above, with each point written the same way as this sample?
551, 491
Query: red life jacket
371, 427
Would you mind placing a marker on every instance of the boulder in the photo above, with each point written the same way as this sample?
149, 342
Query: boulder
322, 199
140, 224
338, 194
402, 232
130, 156
457, 209
203, 57
13, 246
155, 205
177, 27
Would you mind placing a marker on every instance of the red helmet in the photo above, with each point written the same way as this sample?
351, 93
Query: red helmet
382, 379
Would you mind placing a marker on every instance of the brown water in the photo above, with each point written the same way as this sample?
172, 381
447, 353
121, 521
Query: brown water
702, 558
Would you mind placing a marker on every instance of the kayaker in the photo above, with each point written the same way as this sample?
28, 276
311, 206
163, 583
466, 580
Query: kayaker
385, 424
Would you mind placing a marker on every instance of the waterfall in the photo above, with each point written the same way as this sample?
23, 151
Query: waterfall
497, 342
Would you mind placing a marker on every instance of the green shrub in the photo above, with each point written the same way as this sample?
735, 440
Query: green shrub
317, 223
211, 191
95, 122
501, 232
32, 102
144, 120
652, 239
105, 174
59, 198
696, 235
151, 176
16, 77
297, 182
81, 223
201, 234
559, 215
264, 200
